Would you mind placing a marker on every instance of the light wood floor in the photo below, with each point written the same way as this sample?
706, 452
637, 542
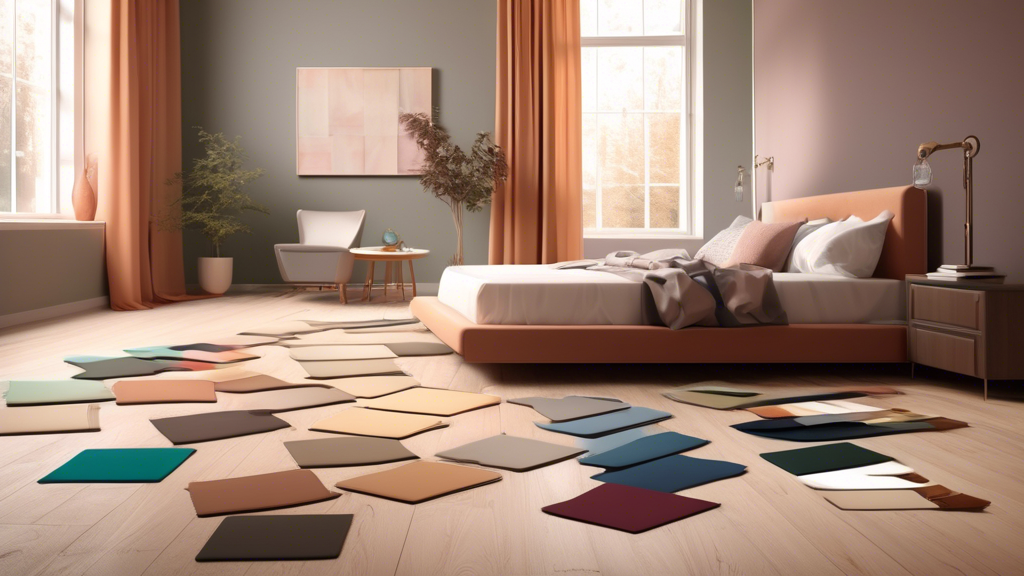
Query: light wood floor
768, 522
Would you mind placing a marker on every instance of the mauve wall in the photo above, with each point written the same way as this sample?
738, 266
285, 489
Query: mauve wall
845, 91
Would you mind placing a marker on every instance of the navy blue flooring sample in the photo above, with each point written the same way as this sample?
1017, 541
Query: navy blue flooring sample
673, 473
644, 450
607, 423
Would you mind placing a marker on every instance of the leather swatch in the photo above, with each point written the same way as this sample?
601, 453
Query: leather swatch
608, 423
644, 450
602, 444
811, 409
715, 397
259, 492
43, 392
347, 451
510, 453
420, 348
348, 368
826, 458
340, 352
373, 386
673, 473
628, 508
419, 481
50, 419
571, 407
163, 391
217, 425
792, 429
119, 465
277, 537
928, 498
363, 422
433, 401
102, 368
294, 398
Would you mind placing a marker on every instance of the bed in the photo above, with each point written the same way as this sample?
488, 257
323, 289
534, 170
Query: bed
523, 314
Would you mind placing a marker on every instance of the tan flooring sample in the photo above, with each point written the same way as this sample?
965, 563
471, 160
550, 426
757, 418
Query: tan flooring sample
259, 492
880, 500
433, 401
419, 481
363, 422
347, 451
349, 368
163, 391
341, 352
373, 386
294, 398
50, 419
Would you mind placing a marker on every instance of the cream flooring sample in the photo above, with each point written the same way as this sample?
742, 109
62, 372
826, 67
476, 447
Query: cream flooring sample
434, 401
348, 368
884, 476
50, 419
419, 481
880, 500
373, 386
363, 422
341, 352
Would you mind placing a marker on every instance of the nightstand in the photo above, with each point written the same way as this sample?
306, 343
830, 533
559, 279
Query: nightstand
972, 328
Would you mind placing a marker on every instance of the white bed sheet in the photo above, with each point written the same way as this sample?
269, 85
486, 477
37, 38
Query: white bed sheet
538, 294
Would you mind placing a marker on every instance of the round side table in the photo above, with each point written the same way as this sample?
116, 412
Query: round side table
392, 273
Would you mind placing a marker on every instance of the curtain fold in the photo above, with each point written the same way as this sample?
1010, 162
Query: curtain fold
133, 91
536, 215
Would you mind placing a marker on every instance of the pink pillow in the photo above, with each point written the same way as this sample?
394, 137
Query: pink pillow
765, 245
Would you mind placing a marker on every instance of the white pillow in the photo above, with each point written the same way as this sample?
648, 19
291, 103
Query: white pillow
803, 232
848, 248
718, 250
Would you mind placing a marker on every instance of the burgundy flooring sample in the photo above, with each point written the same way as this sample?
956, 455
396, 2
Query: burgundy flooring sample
163, 391
629, 509
259, 492
217, 425
277, 537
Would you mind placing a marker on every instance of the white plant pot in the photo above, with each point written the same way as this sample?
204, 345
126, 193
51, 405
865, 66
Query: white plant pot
215, 274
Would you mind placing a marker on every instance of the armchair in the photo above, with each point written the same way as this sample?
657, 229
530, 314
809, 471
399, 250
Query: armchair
322, 255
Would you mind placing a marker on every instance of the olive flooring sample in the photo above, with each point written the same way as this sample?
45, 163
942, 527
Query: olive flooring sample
42, 392
363, 422
213, 355
102, 368
627, 508
373, 386
812, 408
433, 401
721, 398
930, 498
410, 327
278, 537
884, 476
50, 419
257, 383
419, 481
826, 458
571, 407
602, 444
644, 450
673, 473
347, 451
340, 352
348, 368
164, 391
510, 453
259, 492
108, 465
329, 337
217, 425
294, 398
420, 348
608, 423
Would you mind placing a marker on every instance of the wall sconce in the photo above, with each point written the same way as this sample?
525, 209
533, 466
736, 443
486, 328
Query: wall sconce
770, 161
738, 188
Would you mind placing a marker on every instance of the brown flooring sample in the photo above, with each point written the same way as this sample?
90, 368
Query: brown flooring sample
257, 383
163, 391
420, 348
373, 386
217, 425
348, 368
347, 451
49, 419
571, 407
278, 537
433, 401
419, 481
259, 492
511, 453
627, 508
340, 352
363, 422
295, 398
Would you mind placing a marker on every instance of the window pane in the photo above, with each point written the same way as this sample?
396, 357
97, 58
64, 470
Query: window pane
620, 18
588, 18
589, 208
663, 77
590, 146
622, 207
665, 207
620, 79
663, 17
621, 149
6, 60
663, 147
32, 105
588, 63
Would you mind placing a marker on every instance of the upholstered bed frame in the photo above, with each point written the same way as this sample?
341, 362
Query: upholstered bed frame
904, 252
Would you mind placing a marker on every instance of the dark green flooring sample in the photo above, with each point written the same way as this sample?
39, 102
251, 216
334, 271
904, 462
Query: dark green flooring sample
644, 450
827, 458
673, 473
108, 465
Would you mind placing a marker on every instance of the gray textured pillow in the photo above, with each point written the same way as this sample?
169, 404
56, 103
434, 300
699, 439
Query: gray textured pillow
718, 250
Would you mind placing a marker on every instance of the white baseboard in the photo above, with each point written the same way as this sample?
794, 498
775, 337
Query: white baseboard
53, 311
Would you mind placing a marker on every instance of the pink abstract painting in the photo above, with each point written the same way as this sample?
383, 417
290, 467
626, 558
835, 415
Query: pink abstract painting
346, 120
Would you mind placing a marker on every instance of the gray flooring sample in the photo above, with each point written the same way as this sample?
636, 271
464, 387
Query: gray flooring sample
277, 537
608, 423
420, 349
296, 398
347, 451
217, 425
511, 453
571, 407
102, 368
348, 368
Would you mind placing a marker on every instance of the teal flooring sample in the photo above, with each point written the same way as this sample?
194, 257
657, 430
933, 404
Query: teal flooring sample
40, 392
109, 465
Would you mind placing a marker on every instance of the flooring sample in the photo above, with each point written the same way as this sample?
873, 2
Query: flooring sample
571, 407
608, 423
827, 458
340, 352
628, 508
812, 408
295, 398
433, 401
349, 368
363, 422
790, 429
282, 328
510, 453
735, 399
411, 327
373, 386
257, 383
884, 476
419, 481
50, 419
354, 324
277, 537
343, 337
239, 342
643, 450
259, 492
119, 465
42, 392
214, 355
930, 498
164, 391
603, 444
727, 390
673, 473
102, 368
420, 348
347, 451
217, 425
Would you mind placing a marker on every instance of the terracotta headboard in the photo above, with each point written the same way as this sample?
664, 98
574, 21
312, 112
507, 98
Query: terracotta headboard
906, 243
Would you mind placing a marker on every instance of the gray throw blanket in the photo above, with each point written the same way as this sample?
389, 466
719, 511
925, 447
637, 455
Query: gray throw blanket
681, 292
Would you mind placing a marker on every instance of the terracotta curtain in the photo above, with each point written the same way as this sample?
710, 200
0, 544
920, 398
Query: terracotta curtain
536, 215
133, 92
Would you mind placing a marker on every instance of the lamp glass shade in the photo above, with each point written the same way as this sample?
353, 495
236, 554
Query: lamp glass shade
922, 173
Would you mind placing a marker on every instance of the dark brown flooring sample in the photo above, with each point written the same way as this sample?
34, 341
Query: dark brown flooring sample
277, 537
259, 492
419, 481
217, 425
629, 509
347, 451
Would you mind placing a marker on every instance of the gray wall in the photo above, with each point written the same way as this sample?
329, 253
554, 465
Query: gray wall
43, 268
238, 77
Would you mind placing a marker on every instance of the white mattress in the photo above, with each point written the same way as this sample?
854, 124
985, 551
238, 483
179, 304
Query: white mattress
542, 295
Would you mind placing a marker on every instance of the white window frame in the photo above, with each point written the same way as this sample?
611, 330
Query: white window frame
692, 206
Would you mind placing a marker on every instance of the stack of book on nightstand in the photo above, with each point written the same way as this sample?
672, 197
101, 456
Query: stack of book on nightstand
961, 272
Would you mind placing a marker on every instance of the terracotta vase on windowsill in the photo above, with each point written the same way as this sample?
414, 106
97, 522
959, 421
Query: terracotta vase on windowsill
83, 196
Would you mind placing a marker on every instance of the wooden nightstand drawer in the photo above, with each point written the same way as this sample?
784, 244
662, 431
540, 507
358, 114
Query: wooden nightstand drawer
956, 353
950, 306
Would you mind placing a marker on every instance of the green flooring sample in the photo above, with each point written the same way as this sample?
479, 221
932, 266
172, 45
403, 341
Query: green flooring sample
39, 392
119, 465
827, 458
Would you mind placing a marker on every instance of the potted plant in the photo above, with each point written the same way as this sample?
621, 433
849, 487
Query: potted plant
458, 179
212, 198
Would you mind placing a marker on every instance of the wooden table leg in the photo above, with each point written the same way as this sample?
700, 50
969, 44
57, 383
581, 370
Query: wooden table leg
412, 273
341, 294
399, 279
368, 286
387, 279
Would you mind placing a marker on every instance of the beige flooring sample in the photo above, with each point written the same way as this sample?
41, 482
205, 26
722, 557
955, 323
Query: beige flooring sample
294, 398
258, 383
363, 422
343, 337
349, 368
417, 327
347, 451
163, 391
511, 453
880, 500
419, 481
259, 492
341, 352
812, 409
373, 386
433, 401
420, 348
50, 419
571, 407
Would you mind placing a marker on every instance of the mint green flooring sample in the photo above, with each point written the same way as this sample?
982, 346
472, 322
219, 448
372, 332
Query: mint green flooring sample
38, 392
